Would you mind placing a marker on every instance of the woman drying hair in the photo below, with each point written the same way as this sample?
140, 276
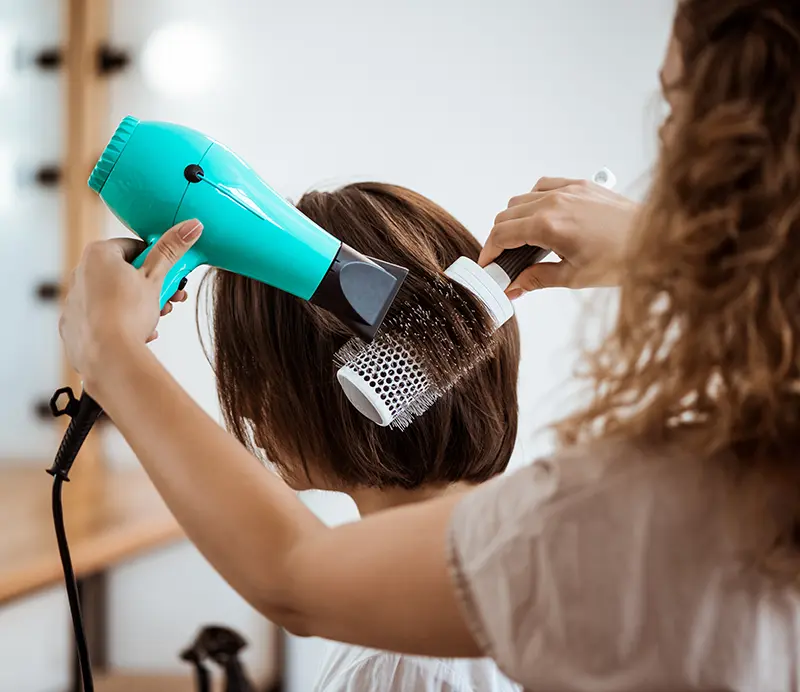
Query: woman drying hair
660, 547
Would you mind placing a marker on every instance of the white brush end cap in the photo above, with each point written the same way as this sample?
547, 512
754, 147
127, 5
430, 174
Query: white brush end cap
365, 399
605, 178
477, 280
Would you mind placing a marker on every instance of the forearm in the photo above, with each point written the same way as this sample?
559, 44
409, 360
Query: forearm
382, 582
244, 519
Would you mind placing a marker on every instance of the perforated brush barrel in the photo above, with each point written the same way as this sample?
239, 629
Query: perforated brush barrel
385, 382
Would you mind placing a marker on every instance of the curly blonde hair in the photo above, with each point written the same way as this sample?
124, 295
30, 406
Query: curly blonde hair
708, 330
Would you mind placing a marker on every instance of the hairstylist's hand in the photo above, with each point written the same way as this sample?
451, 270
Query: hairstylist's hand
584, 223
108, 300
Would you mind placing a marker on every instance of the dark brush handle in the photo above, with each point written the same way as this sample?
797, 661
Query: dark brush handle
514, 262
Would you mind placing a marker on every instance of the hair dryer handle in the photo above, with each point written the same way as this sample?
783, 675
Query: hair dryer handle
179, 271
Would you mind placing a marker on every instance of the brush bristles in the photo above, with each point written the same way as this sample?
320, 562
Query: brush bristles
414, 409
429, 340
351, 351
358, 355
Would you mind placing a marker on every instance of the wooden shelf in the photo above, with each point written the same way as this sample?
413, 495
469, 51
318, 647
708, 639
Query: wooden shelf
109, 516
132, 682
86, 133
120, 682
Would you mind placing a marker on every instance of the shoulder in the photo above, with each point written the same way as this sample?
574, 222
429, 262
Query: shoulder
582, 481
545, 560
607, 492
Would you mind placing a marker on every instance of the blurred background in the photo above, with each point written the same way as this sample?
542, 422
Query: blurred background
468, 103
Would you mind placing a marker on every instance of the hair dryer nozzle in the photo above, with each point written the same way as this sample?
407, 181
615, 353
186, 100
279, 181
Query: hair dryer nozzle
359, 290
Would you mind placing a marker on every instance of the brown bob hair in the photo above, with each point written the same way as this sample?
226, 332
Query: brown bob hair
274, 359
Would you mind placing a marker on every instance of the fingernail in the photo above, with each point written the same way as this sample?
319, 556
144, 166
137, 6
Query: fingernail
515, 293
190, 230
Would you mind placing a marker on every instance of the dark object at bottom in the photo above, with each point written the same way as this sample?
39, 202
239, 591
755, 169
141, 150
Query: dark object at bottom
222, 646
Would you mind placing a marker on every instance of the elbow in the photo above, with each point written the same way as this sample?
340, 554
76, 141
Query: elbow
289, 619
283, 599
280, 602
298, 625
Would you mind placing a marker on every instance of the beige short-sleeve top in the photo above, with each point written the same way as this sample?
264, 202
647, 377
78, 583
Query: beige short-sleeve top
611, 569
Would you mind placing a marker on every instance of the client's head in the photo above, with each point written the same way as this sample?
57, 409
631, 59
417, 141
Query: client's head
274, 360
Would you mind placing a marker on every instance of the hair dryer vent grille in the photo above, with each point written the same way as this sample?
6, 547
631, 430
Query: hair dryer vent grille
111, 153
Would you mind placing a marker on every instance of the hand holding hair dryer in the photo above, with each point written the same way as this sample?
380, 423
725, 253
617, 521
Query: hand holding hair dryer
153, 175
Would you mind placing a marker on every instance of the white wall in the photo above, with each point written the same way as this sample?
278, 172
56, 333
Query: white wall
466, 102
35, 642
35, 654
30, 239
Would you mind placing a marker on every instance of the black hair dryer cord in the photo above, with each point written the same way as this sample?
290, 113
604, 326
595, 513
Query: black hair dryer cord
84, 412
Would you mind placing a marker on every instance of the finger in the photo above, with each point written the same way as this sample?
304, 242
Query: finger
523, 209
548, 184
490, 252
166, 309
129, 248
152, 337
516, 233
504, 236
542, 275
170, 248
525, 199
494, 245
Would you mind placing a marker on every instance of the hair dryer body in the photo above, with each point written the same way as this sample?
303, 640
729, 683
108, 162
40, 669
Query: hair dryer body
153, 175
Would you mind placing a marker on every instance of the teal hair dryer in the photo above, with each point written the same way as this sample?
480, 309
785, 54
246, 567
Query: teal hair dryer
153, 175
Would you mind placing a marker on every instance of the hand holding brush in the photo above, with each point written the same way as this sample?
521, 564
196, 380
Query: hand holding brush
584, 222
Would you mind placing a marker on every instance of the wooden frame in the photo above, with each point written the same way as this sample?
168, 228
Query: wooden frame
87, 115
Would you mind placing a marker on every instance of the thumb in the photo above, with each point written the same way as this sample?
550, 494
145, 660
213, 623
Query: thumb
489, 252
170, 248
542, 275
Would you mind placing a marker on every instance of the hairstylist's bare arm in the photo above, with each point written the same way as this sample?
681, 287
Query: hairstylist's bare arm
584, 223
382, 582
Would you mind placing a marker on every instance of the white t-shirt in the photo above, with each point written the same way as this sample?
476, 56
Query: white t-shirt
356, 669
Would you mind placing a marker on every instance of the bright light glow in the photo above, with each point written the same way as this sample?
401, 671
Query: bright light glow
182, 60
8, 183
